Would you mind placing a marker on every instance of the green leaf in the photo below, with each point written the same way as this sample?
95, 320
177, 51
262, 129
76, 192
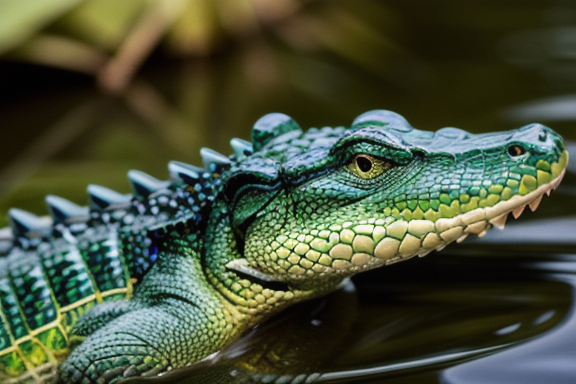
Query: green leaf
103, 23
21, 19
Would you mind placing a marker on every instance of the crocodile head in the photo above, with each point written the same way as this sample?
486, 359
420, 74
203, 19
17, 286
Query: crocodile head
323, 205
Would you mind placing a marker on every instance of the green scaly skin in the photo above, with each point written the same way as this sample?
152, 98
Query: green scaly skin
214, 251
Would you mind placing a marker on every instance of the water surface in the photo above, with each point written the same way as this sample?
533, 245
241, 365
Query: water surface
496, 310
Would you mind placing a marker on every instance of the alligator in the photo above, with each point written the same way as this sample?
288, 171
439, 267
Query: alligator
137, 285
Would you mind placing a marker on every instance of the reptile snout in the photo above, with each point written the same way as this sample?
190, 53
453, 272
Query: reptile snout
539, 137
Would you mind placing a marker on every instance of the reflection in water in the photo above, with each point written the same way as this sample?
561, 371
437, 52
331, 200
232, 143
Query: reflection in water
555, 231
551, 51
547, 359
495, 310
433, 62
545, 48
559, 108
409, 321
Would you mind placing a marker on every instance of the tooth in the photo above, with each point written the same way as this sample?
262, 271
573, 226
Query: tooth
424, 253
535, 203
518, 211
483, 233
462, 238
548, 192
441, 247
500, 221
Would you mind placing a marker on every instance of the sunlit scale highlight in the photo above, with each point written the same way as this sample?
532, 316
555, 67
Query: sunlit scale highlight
460, 193
403, 235
217, 249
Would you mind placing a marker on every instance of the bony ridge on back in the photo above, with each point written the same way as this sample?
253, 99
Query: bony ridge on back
137, 285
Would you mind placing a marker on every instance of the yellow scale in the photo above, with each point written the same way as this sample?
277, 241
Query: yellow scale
39, 360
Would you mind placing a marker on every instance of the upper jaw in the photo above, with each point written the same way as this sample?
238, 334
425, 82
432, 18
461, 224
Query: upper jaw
480, 220
498, 214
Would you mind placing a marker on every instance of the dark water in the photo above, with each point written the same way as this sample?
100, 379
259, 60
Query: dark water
491, 311
496, 310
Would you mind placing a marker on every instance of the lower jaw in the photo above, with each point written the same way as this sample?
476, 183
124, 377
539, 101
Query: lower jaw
478, 221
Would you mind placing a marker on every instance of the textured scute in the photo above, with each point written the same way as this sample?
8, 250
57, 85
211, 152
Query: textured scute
25, 223
101, 197
381, 118
143, 184
327, 223
173, 319
214, 162
62, 210
171, 274
241, 148
189, 174
99, 316
55, 271
272, 126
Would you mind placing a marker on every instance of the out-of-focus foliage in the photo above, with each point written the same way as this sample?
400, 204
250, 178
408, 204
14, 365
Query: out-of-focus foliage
90, 89
170, 76
21, 20
110, 39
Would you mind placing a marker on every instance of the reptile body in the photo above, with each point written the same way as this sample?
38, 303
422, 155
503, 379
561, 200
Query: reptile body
136, 285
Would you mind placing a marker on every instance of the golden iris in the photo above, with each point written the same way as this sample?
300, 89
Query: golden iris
368, 167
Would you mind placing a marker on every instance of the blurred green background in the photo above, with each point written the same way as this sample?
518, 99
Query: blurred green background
90, 89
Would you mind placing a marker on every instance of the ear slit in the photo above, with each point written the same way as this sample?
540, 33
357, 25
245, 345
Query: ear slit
241, 267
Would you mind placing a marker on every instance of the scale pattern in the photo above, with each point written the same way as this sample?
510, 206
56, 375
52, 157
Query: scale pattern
135, 285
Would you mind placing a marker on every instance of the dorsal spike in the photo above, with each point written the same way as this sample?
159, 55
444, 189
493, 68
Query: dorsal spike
188, 173
62, 210
6, 234
24, 223
271, 126
451, 133
241, 148
102, 197
213, 161
382, 117
143, 184
6, 243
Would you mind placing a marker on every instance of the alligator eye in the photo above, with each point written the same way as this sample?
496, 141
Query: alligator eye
516, 150
364, 164
368, 167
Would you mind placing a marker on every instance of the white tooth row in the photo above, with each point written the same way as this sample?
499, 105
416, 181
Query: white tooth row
477, 222
480, 220
498, 214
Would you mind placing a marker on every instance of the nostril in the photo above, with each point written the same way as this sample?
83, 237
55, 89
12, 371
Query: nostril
516, 150
542, 136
